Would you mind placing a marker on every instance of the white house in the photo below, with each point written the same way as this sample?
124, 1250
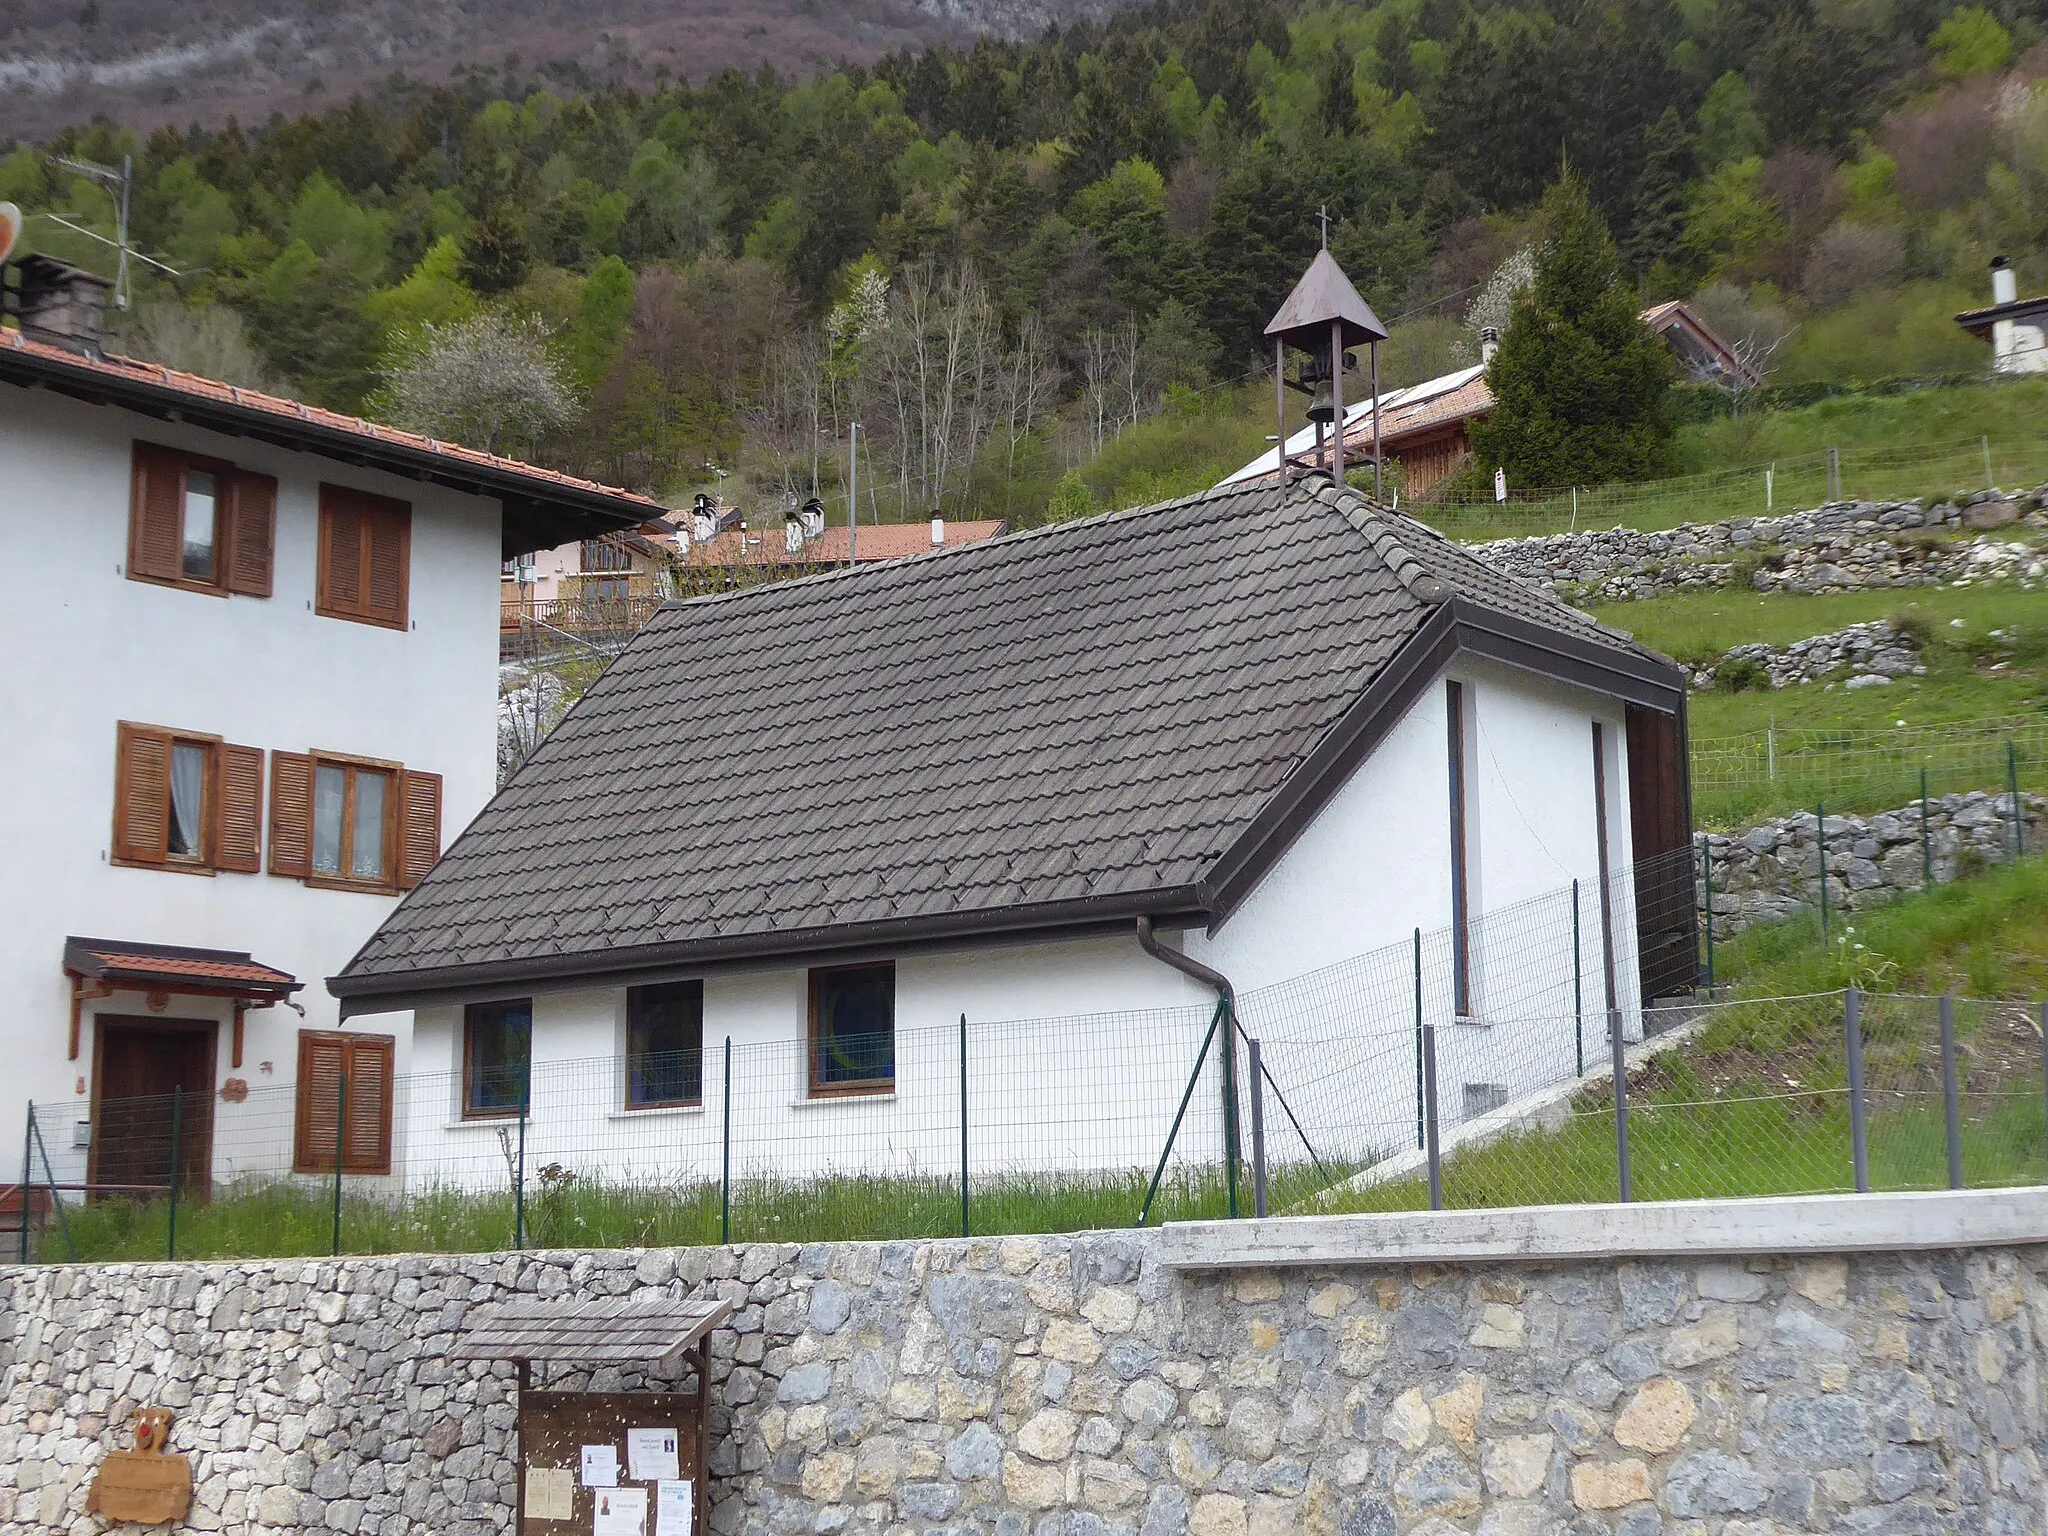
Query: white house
251, 669
2017, 328
1043, 799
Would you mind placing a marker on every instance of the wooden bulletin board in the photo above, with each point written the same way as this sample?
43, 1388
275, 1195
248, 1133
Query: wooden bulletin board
555, 1426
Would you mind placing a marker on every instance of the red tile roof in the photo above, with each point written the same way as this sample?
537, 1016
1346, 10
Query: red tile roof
165, 967
880, 541
20, 353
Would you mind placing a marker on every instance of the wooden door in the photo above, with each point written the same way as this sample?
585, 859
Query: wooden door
152, 1104
1660, 827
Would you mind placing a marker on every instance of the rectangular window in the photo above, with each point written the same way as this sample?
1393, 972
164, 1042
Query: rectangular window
497, 1057
665, 1045
353, 825
853, 1030
365, 557
200, 524
186, 801
345, 1088
1461, 937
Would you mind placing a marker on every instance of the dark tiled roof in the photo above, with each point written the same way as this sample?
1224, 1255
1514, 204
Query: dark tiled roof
1082, 719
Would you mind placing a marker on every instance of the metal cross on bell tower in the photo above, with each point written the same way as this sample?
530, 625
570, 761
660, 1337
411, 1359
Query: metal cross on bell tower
1323, 317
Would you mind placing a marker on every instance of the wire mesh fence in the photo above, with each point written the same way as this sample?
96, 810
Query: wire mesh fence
1861, 473
1737, 778
1468, 1066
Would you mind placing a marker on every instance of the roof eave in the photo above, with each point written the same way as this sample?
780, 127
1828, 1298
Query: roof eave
1169, 907
537, 515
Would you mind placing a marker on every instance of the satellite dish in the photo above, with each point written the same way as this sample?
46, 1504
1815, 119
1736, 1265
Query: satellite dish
10, 229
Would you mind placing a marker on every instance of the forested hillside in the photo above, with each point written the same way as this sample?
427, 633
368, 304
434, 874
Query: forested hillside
997, 260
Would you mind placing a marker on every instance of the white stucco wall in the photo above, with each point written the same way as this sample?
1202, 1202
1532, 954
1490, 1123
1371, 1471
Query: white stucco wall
86, 648
2017, 348
1078, 1053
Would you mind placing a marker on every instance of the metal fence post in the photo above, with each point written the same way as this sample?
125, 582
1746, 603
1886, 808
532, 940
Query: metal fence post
1859, 1135
1990, 480
28, 1141
1820, 842
1578, 991
1434, 1153
1230, 1128
1951, 1093
340, 1145
1421, 1130
2044, 1054
1834, 473
1257, 1067
963, 1121
177, 1162
56, 1201
519, 1171
1926, 837
2019, 815
1707, 915
725, 1156
1620, 1104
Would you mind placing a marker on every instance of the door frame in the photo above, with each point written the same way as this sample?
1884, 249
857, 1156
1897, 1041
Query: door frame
160, 1024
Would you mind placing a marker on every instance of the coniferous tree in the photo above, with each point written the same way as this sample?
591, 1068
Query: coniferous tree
1656, 218
1581, 386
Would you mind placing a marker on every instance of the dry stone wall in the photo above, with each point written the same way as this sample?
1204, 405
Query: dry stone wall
1834, 548
1773, 869
1879, 649
1077, 1387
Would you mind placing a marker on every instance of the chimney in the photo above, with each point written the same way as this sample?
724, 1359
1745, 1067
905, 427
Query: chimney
938, 531
813, 518
1489, 343
2004, 286
59, 303
792, 532
703, 519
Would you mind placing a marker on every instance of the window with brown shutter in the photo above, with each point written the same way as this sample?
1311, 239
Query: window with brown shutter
200, 524
356, 823
365, 555
419, 831
345, 1092
185, 801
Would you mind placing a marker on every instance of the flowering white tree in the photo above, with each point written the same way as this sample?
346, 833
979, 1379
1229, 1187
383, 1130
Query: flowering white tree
491, 381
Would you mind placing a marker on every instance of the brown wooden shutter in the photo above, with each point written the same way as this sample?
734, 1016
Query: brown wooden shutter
366, 1137
142, 794
419, 831
252, 531
366, 1140
238, 830
156, 519
341, 552
291, 814
389, 525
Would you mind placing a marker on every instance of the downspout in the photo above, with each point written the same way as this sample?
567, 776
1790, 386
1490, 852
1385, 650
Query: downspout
1226, 1000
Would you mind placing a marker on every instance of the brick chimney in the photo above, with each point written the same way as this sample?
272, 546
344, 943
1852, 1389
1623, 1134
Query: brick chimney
59, 303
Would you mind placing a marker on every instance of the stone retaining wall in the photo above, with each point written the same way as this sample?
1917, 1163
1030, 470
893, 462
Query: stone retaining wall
1833, 548
1877, 649
1078, 1387
1773, 869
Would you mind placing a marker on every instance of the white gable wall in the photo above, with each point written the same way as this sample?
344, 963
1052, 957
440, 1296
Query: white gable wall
87, 648
1112, 1033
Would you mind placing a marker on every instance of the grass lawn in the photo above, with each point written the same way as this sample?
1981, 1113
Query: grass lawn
1972, 675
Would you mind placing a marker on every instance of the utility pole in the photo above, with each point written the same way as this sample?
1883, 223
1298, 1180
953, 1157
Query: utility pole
853, 493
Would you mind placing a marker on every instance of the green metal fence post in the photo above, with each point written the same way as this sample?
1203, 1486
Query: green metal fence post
2019, 814
725, 1155
1186, 1097
963, 1126
1951, 1093
28, 1142
340, 1143
56, 1203
1578, 991
177, 1161
1820, 841
1230, 1105
1421, 1128
1707, 914
1926, 837
519, 1171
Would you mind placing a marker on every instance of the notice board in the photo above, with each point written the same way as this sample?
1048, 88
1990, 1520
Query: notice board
555, 1428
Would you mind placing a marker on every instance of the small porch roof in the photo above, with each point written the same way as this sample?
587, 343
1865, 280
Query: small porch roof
652, 1333
174, 968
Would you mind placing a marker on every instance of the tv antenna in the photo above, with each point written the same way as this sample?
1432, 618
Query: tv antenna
119, 183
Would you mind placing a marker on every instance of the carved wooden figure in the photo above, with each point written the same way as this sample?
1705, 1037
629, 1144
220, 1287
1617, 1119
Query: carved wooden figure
147, 1485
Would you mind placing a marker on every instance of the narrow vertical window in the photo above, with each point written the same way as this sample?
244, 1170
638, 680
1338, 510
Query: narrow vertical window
1461, 947
665, 1045
366, 829
187, 832
497, 1053
330, 788
201, 503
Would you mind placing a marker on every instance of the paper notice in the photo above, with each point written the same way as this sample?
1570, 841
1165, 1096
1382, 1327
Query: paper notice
600, 1466
651, 1455
620, 1512
550, 1493
675, 1506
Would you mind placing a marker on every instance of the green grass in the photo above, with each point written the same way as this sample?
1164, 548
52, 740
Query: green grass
1972, 675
